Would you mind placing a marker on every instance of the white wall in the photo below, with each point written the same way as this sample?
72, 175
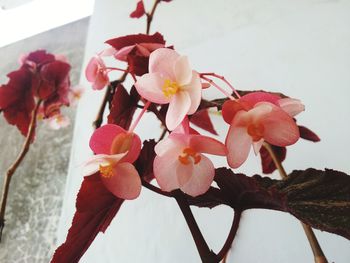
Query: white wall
300, 48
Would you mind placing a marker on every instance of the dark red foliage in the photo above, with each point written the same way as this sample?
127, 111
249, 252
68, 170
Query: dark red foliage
41, 76
16, 99
307, 134
123, 107
268, 166
139, 11
135, 50
202, 120
144, 164
96, 207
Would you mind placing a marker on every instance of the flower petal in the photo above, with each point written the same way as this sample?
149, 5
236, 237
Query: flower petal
238, 143
183, 71
164, 168
205, 144
280, 128
92, 165
194, 89
257, 146
178, 108
260, 96
162, 61
102, 139
173, 143
125, 182
291, 106
150, 86
200, 179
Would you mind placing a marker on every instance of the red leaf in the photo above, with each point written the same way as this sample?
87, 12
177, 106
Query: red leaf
202, 120
144, 164
268, 166
17, 99
123, 107
129, 40
307, 134
139, 11
96, 207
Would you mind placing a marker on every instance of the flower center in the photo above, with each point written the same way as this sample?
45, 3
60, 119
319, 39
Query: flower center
106, 170
170, 88
188, 155
256, 131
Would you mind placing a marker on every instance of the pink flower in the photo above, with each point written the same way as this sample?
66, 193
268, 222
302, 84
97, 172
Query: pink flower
259, 117
96, 73
180, 162
115, 150
171, 80
136, 49
75, 94
58, 121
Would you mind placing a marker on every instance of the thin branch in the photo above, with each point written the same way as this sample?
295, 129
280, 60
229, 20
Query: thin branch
108, 99
163, 134
12, 169
314, 244
205, 253
231, 236
150, 16
156, 189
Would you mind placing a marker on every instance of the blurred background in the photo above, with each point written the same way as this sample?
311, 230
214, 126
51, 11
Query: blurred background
300, 48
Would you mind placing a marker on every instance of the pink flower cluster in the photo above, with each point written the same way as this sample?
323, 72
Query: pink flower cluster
181, 160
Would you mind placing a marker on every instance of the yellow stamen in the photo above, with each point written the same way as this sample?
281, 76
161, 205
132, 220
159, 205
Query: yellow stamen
170, 88
106, 171
187, 155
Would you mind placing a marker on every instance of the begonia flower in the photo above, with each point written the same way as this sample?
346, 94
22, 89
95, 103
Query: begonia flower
258, 117
181, 163
139, 11
58, 121
171, 80
116, 150
96, 73
136, 49
75, 94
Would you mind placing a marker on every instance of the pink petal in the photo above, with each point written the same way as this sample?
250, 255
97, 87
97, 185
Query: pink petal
201, 178
257, 146
91, 69
291, 106
183, 71
178, 108
238, 143
280, 128
101, 81
184, 172
260, 96
127, 142
125, 182
164, 168
205, 144
123, 52
102, 139
194, 89
172, 144
92, 165
149, 86
162, 61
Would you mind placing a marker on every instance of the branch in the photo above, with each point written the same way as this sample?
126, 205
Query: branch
107, 99
205, 253
315, 246
150, 16
12, 169
231, 236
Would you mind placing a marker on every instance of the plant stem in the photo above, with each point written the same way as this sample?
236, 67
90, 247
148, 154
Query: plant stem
12, 169
205, 253
150, 16
314, 244
107, 99
222, 255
